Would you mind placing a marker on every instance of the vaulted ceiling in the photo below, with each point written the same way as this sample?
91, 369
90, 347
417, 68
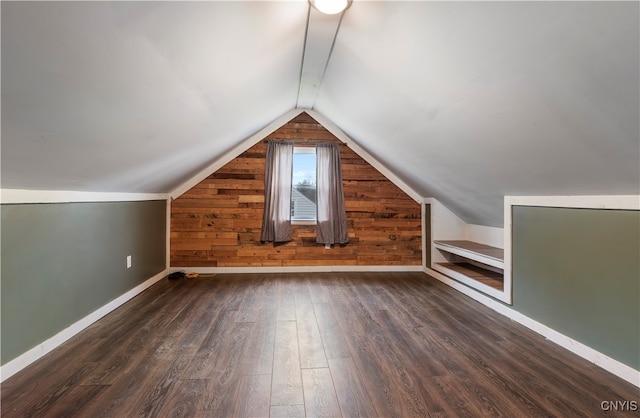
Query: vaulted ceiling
464, 101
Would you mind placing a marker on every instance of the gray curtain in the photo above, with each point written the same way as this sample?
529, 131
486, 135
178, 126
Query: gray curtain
331, 213
276, 219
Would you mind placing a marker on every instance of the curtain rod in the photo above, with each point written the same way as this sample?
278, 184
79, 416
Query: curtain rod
304, 141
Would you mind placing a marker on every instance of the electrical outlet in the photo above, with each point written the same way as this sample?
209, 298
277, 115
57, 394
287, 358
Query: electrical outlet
128, 261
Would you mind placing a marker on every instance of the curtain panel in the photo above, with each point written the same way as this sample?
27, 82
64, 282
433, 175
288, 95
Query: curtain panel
276, 219
331, 213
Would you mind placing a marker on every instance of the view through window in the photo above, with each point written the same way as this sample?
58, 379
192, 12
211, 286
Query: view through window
303, 191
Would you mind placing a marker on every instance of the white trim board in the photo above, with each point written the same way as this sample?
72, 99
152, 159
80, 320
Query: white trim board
234, 152
423, 236
611, 365
631, 202
25, 359
471, 255
167, 250
275, 125
339, 133
17, 196
296, 269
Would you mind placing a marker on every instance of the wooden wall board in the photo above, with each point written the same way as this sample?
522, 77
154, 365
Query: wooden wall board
217, 222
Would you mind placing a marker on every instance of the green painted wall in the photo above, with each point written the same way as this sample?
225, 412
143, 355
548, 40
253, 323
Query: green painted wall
578, 272
60, 262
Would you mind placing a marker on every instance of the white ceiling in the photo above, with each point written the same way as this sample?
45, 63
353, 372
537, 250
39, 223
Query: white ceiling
138, 96
466, 102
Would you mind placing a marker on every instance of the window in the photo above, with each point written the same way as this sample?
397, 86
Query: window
303, 189
290, 196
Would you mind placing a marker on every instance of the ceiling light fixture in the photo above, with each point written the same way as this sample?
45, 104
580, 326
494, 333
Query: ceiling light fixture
330, 7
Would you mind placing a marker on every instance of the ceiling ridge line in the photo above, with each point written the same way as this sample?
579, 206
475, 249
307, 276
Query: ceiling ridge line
320, 39
304, 51
326, 64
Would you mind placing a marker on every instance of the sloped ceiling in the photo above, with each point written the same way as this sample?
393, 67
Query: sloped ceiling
466, 102
137, 96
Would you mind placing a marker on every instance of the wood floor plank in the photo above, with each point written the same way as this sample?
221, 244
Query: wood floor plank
543, 379
73, 403
286, 311
182, 399
51, 395
123, 397
301, 293
353, 397
286, 385
220, 394
309, 341
319, 394
463, 348
257, 358
191, 314
380, 385
528, 348
389, 345
285, 299
287, 411
403, 366
259, 300
188, 330
222, 354
128, 338
154, 396
319, 289
453, 397
254, 396
379, 354
41, 374
121, 363
330, 334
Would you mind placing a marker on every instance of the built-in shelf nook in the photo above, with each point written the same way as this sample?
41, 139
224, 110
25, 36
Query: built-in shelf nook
480, 262
470, 254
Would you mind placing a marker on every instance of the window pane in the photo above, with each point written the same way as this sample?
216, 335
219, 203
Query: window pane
303, 195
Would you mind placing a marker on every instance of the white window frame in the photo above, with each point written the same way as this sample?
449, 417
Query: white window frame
302, 150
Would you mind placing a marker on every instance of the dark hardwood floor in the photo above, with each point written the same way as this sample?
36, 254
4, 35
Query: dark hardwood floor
315, 345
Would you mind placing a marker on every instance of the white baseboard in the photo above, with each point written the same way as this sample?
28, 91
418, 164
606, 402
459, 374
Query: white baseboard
295, 269
25, 359
619, 369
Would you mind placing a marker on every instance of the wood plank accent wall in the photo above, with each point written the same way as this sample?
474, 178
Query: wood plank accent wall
217, 222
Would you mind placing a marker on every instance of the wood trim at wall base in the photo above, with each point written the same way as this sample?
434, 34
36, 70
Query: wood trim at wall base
25, 359
611, 365
296, 269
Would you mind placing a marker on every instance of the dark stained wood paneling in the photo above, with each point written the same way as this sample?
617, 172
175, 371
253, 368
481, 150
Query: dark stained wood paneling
217, 223
252, 345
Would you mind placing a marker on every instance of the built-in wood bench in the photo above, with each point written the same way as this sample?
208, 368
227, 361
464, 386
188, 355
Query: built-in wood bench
472, 260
